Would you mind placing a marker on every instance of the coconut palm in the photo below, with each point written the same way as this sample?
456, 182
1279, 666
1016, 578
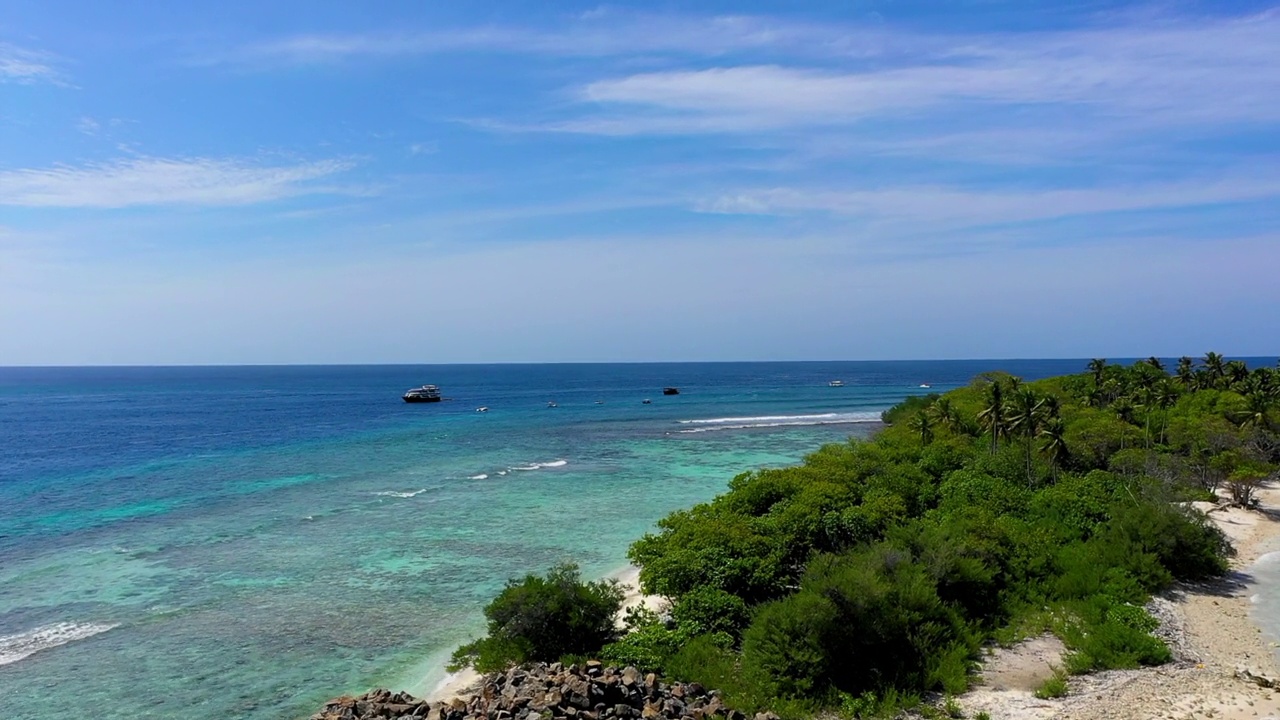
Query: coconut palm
1097, 366
1154, 362
922, 423
945, 414
1165, 396
992, 416
1215, 366
1236, 372
1054, 444
1024, 419
1186, 370
1257, 404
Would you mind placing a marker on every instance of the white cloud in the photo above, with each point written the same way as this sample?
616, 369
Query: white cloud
939, 206
164, 181
88, 125
1210, 71
592, 34
19, 65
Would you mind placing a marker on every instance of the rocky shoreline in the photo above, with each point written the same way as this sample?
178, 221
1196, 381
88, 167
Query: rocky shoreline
541, 691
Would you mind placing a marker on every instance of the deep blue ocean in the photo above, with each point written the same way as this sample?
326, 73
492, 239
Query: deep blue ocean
247, 542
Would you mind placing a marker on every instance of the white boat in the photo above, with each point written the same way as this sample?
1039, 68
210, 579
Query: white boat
483, 408
925, 385
552, 404
836, 383
424, 394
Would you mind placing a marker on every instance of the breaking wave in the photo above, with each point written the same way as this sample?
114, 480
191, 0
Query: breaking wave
16, 647
394, 493
773, 421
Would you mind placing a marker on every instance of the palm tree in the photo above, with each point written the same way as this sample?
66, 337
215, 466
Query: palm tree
1097, 366
1165, 395
1024, 419
1186, 369
945, 414
1154, 362
992, 416
1236, 372
1214, 365
922, 423
1055, 444
1255, 413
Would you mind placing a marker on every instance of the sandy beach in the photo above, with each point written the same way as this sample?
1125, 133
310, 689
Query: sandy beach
1207, 626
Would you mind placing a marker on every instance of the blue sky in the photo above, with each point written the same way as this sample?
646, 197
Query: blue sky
243, 182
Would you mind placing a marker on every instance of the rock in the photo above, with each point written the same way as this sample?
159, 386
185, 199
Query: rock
591, 691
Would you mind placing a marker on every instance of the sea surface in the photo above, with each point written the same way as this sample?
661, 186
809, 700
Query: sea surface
246, 542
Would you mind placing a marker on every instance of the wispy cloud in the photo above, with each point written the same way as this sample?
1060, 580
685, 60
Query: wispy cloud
600, 34
88, 125
165, 181
19, 65
965, 207
1220, 70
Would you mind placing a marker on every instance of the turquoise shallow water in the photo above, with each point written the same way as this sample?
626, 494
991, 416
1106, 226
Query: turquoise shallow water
247, 542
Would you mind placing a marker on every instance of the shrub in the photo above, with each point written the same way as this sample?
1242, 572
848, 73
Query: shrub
543, 619
1053, 687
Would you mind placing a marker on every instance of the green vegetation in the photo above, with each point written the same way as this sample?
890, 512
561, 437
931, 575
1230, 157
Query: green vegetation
544, 618
1054, 687
877, 570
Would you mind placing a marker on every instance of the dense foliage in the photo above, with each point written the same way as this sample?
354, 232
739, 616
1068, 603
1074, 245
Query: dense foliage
544, 618
877, 569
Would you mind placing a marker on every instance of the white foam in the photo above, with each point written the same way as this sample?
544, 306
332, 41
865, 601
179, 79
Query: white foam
16, 647
539, 466
760, 419
481, 476
781, 421
393, 493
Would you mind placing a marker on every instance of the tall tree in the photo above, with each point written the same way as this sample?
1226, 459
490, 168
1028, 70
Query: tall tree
1154, 362
1215, 366
922, 423
1024, 420
1055, 445
1097, 366
1186, 370
992, 416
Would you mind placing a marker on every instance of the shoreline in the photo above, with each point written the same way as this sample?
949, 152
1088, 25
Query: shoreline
1218, 647
466, 682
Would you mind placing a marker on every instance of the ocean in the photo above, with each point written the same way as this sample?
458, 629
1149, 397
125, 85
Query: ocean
250, 541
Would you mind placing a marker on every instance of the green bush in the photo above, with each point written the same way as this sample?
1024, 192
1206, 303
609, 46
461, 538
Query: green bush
544, 619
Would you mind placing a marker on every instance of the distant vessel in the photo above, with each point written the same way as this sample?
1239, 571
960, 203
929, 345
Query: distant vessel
483, 408
552, 404
836, 383
925, 385
646, 401
670, 391
426, 393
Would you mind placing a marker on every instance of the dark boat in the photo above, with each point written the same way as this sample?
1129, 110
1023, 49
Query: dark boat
426, 393
670, 391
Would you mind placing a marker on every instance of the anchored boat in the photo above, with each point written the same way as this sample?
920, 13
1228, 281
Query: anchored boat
426, 393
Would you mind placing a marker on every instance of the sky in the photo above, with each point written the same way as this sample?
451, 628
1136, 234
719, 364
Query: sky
410, 182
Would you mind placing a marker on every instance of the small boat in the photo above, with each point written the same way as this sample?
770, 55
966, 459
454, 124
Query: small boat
670, 391
836, 383
552, 404
424, 394
925, 385
646, 401
483, 408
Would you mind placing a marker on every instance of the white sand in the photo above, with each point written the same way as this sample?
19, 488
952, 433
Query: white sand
1212, 638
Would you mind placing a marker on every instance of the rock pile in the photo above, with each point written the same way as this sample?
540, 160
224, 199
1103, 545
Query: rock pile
550, 692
